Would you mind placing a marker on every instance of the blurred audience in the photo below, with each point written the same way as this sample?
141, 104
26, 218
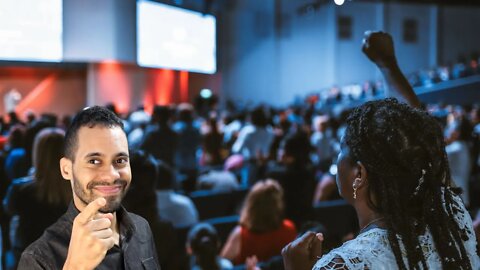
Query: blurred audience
172, 206
189, 141
141, 199
296, 175
40, 199
159, 139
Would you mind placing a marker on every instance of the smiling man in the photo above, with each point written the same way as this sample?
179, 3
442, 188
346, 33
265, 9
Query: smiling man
96, 232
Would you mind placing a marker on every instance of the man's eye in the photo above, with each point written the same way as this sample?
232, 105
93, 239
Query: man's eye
94, 161
122, 160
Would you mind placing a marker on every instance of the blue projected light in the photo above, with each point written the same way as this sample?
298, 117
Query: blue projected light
206, 93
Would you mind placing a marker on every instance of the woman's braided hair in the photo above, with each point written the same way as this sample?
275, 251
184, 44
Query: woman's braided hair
403, 151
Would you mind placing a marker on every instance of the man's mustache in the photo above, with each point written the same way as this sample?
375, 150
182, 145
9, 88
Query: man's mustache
121, 182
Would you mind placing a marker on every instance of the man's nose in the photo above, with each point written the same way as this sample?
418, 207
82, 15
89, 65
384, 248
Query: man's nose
110, 173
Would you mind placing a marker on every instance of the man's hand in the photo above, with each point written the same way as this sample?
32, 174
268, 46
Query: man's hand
302, 253
378, 47
91, 237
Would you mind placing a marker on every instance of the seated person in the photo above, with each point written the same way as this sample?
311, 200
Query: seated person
174, 207
296, 175
326, 189
225, 180
204, 244
40, 199
263, 231
141, 199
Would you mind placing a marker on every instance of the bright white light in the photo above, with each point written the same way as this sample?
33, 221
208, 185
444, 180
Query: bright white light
339, 2
175, 38
206, 93
31, 30
333, 169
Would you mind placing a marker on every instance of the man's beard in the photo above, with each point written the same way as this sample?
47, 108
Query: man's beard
87, 195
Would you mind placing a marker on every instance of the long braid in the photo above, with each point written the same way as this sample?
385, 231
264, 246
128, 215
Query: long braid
392, 205
399, 145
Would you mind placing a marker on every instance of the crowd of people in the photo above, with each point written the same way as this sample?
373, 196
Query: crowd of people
400, 166
368, 90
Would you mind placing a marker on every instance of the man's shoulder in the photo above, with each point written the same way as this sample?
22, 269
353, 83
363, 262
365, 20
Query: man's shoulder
51, 248
140, 224
136, 219
32, 260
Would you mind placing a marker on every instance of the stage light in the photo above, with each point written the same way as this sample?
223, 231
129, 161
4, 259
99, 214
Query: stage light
206, 93
333, 169
339, 2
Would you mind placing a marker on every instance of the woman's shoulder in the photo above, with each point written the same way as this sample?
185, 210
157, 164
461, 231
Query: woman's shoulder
465, 224
460, 213
366, 250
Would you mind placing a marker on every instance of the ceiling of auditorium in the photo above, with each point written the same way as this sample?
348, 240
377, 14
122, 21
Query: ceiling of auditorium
214, 6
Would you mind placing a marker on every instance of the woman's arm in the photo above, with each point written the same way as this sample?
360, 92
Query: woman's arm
231, 249
378, 47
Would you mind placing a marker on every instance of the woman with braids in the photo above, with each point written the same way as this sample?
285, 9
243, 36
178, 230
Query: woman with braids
394, 171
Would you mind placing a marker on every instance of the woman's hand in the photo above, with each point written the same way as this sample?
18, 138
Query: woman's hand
302, 253
378, 47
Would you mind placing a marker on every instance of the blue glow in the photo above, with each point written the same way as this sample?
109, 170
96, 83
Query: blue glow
206, 93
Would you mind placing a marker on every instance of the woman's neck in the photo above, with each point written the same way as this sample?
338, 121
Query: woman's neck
367, 217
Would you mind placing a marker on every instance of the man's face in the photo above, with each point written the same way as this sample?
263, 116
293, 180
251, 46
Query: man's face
101, 167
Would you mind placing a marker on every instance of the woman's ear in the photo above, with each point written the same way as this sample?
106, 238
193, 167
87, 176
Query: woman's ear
361, 178
66, 168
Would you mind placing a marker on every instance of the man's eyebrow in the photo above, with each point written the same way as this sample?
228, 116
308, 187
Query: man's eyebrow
93, 154
122, 154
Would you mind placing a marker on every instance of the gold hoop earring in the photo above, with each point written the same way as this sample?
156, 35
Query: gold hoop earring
355, 187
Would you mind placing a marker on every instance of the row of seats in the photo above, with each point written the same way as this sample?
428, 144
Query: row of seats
213, 204
336, 216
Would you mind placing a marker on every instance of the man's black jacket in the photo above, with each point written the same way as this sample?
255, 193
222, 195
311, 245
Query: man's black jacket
137, 247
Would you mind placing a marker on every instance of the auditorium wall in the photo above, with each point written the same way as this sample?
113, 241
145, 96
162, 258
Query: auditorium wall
45, 89
294, 50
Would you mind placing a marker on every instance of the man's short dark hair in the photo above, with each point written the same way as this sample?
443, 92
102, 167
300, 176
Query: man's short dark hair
88, 117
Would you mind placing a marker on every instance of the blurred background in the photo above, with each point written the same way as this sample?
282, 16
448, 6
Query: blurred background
217, 95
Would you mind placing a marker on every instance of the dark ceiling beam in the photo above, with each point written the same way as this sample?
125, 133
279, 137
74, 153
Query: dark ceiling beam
426, 2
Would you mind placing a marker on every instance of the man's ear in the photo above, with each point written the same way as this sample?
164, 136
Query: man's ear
361, 177
66, 168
